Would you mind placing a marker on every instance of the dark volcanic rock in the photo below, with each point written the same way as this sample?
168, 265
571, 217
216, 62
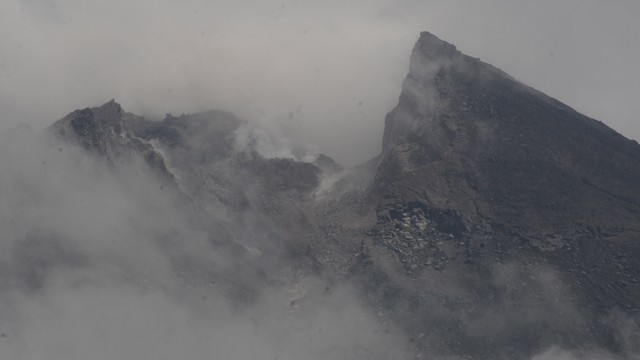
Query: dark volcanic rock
467, 137
478, 171
101, 131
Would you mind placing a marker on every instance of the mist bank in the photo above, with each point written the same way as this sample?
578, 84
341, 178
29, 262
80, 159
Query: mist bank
105, 260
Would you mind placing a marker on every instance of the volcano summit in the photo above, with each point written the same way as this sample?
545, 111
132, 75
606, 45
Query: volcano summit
496, 223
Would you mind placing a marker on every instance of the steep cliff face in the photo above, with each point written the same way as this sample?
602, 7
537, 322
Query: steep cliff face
481, 176
498, 157
467, 137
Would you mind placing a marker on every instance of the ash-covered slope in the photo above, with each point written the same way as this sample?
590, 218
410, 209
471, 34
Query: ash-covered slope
467, 137
510, 168
522, 212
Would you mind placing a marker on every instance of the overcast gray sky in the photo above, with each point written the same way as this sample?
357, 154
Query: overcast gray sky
325, 71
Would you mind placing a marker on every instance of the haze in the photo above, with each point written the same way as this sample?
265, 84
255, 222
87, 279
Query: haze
325, 71
104, 260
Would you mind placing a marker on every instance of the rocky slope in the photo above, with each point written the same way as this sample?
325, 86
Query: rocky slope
495, 223
481, 175
509, 171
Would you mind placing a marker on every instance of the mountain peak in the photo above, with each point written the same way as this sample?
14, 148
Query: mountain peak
433, 47
468, 138
504, 173
110, 114
111, 104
